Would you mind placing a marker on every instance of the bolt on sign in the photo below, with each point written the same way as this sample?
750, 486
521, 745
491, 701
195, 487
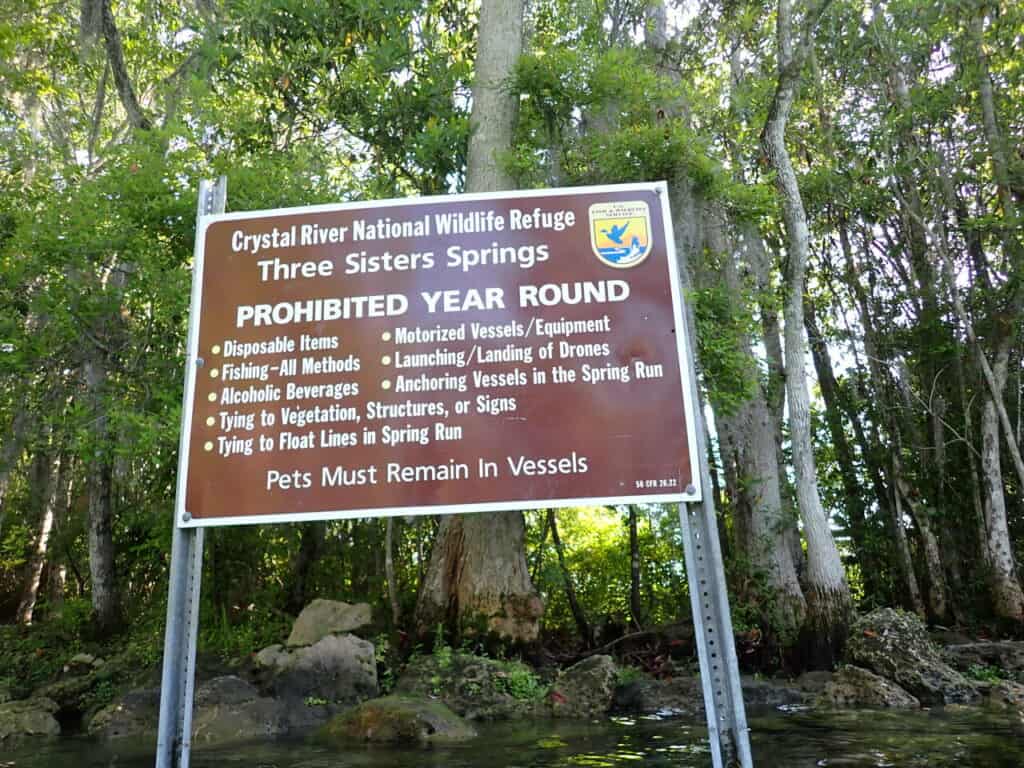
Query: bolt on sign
466, 353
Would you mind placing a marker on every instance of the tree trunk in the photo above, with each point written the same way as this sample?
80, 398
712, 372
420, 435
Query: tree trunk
1007, 596
753, 436
311, 539
852, 495
13, 445
495, 105
582, 625
389, 572
937, 607
106, 603
827, 593
57, 490
903, 560
478, 579
123, 83
635, 605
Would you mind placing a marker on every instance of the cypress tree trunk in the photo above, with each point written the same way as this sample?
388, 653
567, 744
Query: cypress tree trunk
827, 593
478, 579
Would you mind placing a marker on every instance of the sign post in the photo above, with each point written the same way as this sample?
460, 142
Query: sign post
515, 350
177, 683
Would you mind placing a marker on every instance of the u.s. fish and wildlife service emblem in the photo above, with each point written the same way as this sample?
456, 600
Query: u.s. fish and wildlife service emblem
620, 232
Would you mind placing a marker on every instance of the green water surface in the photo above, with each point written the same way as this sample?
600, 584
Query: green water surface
863, 739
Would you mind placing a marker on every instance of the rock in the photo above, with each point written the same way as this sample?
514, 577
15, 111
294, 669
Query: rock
32, 718
813, 682
227, 709
80, 662
134, 715
680, 696
327, 617
1003, 695
339, 670
772, 693
895, 645
397, 719
586, 689
474, 687
1007, 656
852, 687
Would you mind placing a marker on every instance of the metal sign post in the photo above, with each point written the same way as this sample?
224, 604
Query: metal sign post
712, 624
428, 356
177, 684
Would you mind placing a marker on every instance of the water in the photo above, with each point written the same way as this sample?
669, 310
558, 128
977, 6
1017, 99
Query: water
964, 739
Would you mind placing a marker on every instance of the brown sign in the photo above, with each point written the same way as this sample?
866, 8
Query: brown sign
455, 354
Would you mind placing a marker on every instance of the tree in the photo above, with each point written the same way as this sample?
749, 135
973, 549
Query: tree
478, 580
827, 593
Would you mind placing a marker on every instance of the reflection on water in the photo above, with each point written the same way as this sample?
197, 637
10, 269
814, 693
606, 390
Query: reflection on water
962, 739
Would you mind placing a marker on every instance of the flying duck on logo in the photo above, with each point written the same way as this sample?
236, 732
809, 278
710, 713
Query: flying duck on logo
620, 233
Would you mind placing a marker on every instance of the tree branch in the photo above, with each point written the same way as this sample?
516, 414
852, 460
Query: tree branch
115, 55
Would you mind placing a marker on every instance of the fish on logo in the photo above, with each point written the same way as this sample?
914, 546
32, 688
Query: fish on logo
620, 233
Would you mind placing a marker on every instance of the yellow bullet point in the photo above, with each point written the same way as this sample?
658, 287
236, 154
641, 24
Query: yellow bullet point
386, 360
211, 421
385, 384
214, 373
208, 446
212, 397
215, 349
386, 336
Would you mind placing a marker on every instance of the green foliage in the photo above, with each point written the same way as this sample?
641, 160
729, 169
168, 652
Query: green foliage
520, 682
986, 674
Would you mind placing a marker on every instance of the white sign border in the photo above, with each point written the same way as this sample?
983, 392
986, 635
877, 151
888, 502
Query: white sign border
193, 363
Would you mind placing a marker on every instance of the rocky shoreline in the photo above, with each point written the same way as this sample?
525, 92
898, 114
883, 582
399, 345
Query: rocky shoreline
323, 682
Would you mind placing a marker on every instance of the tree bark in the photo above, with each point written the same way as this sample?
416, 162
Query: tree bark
582, 625
495, 106
389, 573
1007, 596
106, 603
57, 491
753, 436
827, 593
122, 82
635, 605
14, 444
478, 579
311, 538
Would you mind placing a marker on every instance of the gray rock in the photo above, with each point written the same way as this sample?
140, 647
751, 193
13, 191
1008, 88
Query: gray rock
585, 689
474, 687
895, 645
680, 696
134, 715
397, 719
684, 696
772, 693
813, 682
337, 670
327, 617
1007, 656
227, 709
1004, 695
80, 661
853, 687
32, 718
